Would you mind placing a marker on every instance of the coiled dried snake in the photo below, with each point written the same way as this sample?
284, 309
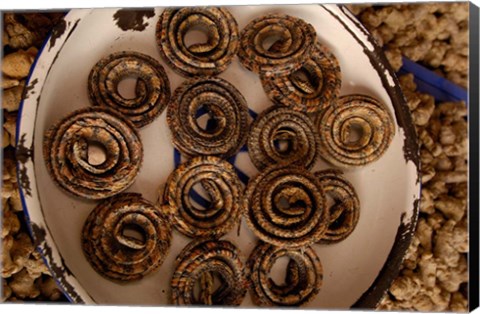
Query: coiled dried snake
205, 59
345, 211
276, 126
313, 87
304, 276
355, 132
199, 261
228, 112
66, 145
115, 254
293, 41
284, 205
221, 182
152, 86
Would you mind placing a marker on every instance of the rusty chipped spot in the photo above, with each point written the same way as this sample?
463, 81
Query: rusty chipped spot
132, 20
57, 31
29, 88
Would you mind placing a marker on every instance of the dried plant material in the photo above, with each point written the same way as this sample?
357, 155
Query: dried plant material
19, 35
424, 233
421, 115
427, 202
356, 9
411, 256
456, 109
439, 297
5, 38
444, 249
6, 291
436, 36
451, 277
435, 56
429, 143
23, 286
404, 288
8, 266
12, 97
447, 136
36, 267
458, 78
49, 288
17, 64
394, 57
460, 190
428, 270
10, 125
460, 236
452, 176
10, 222
455, 62
7, 190
458, 149
428, 172
21, 249
437, 188
458, 303
14, 200
425, 156
32, 51
435, 220
443, 163
8, 82
387, 304
5, 138
451, 207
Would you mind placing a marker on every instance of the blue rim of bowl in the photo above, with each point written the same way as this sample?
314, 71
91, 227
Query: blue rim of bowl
373, 295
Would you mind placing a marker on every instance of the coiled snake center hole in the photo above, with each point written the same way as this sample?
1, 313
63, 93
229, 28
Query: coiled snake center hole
97, 153
284, 141
355, 134
207, 121
279, 271
128, 87
197, 38
199, 197
134, 234
285, 204
273, 41
291, 202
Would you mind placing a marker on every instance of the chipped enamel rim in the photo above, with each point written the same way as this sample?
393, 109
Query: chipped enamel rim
42, 236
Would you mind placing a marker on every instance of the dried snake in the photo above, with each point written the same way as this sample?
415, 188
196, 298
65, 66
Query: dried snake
152, 86
304, 276
313, 87
293, 41
210, 58
355, 132
345, 211
220, 181
66, 145
114, 253
227, 110
199, 262
282, 135
284, 205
